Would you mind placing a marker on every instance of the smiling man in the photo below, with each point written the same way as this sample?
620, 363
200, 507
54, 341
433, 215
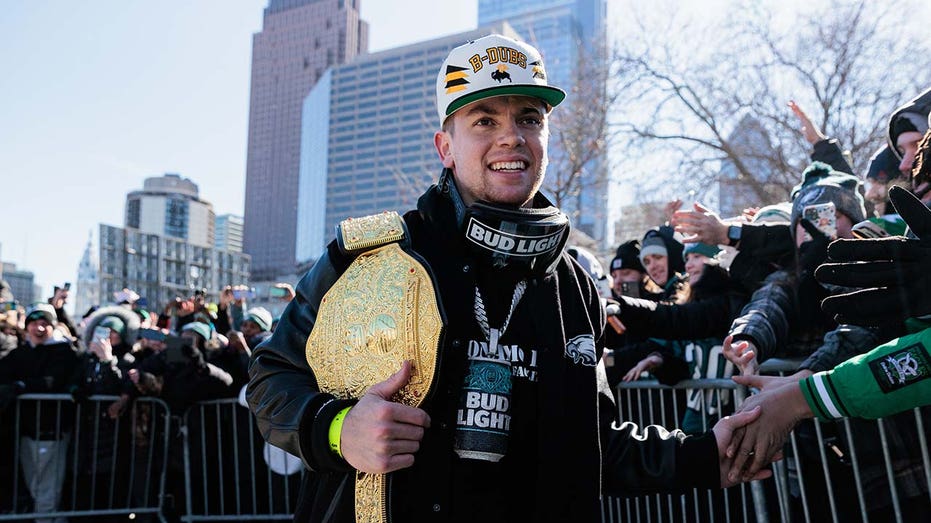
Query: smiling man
443, 365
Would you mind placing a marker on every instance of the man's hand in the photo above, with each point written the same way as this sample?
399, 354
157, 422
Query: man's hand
724, 431
811, 132
700, 225
59, 299
742, 354
289, 293
649, 363
758, 444
379, 435
893, 274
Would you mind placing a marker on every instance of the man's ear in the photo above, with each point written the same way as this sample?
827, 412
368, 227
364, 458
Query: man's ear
441, 140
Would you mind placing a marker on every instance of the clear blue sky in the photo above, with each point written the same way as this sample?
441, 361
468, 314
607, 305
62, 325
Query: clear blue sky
96, 96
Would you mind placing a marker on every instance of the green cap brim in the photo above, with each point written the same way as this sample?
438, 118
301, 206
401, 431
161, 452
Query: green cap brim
551, 95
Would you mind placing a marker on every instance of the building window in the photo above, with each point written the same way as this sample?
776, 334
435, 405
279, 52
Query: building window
176, 218
132, 213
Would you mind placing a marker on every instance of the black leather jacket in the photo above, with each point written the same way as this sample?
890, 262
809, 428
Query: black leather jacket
575, 438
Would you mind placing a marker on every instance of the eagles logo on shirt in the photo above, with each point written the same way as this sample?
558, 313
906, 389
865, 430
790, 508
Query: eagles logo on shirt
582, 350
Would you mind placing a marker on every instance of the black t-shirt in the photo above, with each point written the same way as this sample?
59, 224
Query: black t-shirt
495, 417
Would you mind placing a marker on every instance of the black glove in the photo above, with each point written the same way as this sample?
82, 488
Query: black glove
195, 355
814, 252
893, 274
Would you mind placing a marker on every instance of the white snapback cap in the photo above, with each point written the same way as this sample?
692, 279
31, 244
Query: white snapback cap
493, 65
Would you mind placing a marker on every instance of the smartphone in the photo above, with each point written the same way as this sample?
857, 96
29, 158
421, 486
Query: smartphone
244, 294
101, 333
8, 306
824, 217
67, 286
277, 292
152, 334
174, 349
867, 229
630, 289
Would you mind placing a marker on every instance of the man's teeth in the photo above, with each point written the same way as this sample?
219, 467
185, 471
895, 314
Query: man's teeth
507, 166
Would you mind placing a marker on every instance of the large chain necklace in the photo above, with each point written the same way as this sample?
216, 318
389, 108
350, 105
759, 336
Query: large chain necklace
493, 335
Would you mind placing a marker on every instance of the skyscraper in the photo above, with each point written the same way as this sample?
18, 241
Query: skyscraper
367, 139
563, 30
299, 40
170, 206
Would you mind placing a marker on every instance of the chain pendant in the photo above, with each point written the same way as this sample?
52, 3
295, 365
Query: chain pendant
493, 342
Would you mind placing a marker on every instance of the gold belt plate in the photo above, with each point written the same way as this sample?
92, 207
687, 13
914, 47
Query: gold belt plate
380, 312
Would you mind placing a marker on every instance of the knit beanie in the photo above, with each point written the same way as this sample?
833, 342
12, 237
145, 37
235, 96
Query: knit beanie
662, 241
113, 323
884, 166
821, 184
261, 317
41, 311
628, 257
701, 248
653, 244
202, 329
776, 213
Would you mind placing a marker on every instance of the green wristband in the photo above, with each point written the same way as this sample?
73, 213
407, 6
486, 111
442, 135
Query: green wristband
336, 428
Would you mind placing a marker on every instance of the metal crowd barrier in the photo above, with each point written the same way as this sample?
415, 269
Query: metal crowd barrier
231, 474
65, 459
852, 470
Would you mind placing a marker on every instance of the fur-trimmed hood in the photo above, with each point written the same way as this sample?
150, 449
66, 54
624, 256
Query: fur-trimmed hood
129, 318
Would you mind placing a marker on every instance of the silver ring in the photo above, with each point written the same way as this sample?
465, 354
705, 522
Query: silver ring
751, 452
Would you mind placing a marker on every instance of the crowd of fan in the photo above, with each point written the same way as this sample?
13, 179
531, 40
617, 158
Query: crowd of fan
703, 297
193, 351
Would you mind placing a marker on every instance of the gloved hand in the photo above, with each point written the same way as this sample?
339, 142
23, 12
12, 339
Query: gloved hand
195, 355
893, 274
813, 252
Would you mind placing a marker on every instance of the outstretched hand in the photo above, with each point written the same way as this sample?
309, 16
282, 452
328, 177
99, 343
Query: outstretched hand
742, 354
724, 431
700, 224
811, 132
646, 364
379, 435
893, 274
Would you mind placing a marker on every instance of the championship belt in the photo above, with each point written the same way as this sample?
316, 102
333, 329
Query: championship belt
382, 311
